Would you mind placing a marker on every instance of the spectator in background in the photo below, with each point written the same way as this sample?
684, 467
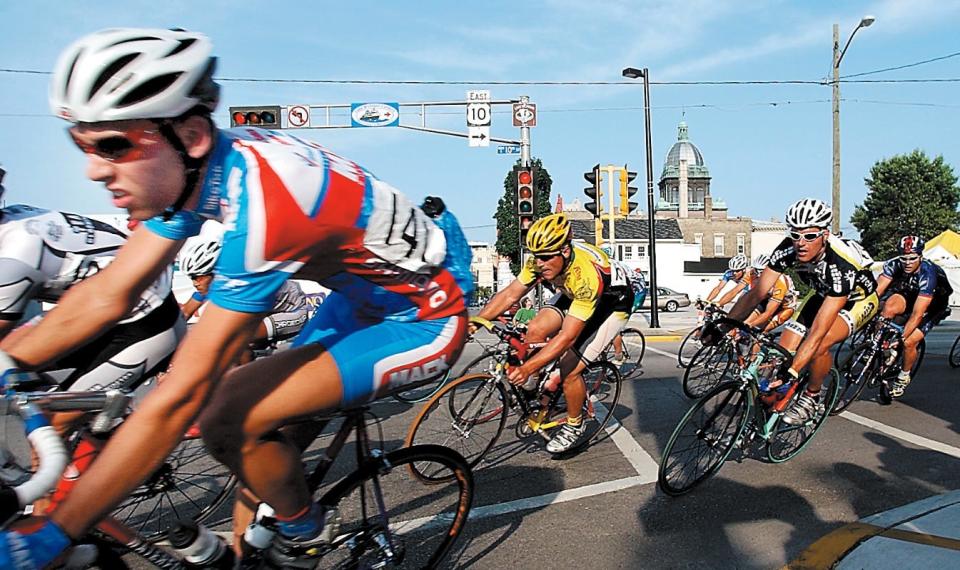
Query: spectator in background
525, 313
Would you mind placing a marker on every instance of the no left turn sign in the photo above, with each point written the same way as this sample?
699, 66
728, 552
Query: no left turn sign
298, 116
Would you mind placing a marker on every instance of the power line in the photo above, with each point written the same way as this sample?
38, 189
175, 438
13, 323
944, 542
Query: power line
543, 83
914, 64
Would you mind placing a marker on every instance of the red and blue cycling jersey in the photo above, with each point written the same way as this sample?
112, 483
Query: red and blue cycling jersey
291, 206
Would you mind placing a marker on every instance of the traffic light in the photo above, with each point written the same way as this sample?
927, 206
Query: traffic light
595, 206
627, 176
267, 117
525, 200
598, 232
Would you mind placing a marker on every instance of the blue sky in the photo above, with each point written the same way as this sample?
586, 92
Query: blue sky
765, 145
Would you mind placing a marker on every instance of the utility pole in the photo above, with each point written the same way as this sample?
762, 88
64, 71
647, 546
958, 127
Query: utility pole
835, 195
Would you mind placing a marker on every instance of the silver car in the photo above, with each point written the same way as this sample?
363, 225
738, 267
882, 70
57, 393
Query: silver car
668, 300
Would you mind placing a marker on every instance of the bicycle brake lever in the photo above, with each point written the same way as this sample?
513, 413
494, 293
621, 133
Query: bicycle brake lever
115, 407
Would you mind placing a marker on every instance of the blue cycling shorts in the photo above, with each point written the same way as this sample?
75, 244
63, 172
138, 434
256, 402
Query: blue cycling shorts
376, 357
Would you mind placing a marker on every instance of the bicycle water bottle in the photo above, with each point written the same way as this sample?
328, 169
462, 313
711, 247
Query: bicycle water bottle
552, 381
199, 547
891, 355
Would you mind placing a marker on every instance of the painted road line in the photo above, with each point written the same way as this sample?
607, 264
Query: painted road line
641, 461
917, 440
664, 338
672, 355
528, 503
837, 545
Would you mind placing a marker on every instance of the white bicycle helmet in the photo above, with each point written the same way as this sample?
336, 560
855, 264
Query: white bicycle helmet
738, 262
761, 261
200, 259
132, 73
809, 213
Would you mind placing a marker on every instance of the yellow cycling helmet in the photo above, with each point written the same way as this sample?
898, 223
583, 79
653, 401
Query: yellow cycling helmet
549, 234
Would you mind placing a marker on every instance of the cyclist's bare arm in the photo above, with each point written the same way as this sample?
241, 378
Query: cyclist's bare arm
822, 323
569, 331
729, 295
882, 283
96, 304
745, 305
503, 299
920, 307
152, 431
6, 327
190, 307
714, 292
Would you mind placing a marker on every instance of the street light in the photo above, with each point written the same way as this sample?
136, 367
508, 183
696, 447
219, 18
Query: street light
865, 22
634, 73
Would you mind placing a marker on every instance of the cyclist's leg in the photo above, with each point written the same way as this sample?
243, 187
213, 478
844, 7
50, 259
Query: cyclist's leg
893, 306
341, 361
548, 320
848, 321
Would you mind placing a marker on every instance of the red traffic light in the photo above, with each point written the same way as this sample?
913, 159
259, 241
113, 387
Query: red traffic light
525, 177
239, 118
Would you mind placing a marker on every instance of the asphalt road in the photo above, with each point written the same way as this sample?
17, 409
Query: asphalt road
602, 509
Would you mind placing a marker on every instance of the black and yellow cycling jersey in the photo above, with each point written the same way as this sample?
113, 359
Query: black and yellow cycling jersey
588, 279
840, 271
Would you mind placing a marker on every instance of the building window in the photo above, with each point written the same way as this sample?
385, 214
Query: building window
641, 251
718, 245
627, 253
741, 243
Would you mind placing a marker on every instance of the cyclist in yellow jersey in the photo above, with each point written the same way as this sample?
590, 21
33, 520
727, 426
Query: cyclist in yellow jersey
591, 306
780, 303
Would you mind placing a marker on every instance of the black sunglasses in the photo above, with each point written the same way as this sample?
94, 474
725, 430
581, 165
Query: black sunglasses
546, 256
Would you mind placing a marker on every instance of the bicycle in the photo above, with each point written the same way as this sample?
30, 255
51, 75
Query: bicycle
736, 413
874, 362
691, 344
954, 357
423, 392
634, 346
709, 366
470, 413
370, 534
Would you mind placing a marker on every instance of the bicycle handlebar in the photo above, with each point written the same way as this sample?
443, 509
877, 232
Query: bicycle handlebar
755, 333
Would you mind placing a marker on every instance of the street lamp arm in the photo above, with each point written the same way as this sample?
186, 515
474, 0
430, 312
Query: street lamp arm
864, 22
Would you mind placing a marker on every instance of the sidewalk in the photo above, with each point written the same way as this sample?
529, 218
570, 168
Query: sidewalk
924, 534
673, 326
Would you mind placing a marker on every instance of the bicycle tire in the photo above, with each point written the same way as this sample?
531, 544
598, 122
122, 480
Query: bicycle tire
707, 369
728, 405
634, 347
954, 357
855, 373
189, 485
789, 440
684, 352
467, 415
482, 363
410, 516
603, 384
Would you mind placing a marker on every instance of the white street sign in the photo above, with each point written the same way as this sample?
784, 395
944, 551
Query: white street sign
478, 108
298, 116
479, 136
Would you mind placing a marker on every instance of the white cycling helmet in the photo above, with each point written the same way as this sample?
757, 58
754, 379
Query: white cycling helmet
133, 73
809, 213
738, 262
200, 259
761, 261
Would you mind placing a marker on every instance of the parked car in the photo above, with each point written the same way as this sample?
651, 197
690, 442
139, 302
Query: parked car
668, 300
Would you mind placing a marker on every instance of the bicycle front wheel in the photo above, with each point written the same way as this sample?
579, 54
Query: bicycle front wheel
189, 485
704, 438
855, 373
634, 346
788, 440
467, 415
689, 347
390, 519
707, 369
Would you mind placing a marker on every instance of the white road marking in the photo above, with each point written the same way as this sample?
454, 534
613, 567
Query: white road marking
641, 461
915, 439
672, 355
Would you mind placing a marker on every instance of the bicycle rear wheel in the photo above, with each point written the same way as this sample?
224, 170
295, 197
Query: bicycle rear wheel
189, 485
706, 369
855, 373
704, 438
634, 347
689, 347
389, 518
467, 415
788, 440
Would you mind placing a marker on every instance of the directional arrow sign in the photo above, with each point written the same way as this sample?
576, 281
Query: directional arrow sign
479, 136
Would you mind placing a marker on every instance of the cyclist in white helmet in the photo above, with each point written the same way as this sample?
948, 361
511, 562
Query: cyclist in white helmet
739, 273
781, 301
286, 318
841, 300
140, 101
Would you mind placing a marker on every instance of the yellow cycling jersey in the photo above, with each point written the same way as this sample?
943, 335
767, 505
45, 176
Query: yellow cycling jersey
587, 277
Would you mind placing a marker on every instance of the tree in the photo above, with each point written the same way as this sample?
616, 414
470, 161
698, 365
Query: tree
908, 194
508, 228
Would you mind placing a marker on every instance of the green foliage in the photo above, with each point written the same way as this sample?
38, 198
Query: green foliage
909, 194
508, 223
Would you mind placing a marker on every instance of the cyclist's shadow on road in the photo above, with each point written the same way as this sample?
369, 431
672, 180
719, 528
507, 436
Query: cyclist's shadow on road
502, 502
705, 532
